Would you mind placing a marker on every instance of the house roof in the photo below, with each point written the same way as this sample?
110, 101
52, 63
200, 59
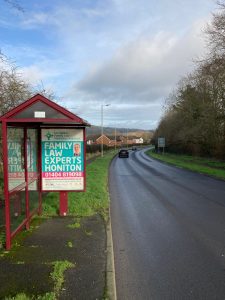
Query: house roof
103, 136
112, 138
40, 109
92, 137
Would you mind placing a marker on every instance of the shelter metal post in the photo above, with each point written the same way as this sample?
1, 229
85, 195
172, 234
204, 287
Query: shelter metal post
39, 172
6, 184
63, 203
26, 179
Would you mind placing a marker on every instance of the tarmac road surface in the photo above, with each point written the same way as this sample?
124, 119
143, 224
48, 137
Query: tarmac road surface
168, 227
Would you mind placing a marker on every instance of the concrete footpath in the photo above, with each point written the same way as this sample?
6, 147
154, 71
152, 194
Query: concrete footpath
27, 269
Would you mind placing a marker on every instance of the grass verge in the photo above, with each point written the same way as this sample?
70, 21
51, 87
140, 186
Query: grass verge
94, 200
202, 165
58, 274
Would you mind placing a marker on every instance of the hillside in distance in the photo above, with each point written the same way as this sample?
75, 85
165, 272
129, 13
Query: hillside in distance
96, 130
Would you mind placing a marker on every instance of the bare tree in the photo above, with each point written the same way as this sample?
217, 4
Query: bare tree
14, 89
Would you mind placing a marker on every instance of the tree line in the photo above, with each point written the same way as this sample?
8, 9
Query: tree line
194, 116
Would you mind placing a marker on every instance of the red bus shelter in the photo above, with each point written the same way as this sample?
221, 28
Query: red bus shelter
43, 150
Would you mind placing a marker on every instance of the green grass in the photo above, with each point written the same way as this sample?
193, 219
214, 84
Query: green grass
202, 165
58, 273
70, 244
94, 200
75, 225
21, 296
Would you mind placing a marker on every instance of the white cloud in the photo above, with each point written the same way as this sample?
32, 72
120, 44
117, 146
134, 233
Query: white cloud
129, 52
145, 69
32, 74
36, 20
138, 78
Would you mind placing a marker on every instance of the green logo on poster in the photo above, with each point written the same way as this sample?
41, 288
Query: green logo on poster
49, 135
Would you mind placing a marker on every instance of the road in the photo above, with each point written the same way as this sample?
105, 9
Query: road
168, 227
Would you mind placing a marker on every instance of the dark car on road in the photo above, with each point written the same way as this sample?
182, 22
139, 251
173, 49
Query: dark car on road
134, 148
123, 153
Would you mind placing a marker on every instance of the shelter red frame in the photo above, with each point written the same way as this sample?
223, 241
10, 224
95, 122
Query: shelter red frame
50, 115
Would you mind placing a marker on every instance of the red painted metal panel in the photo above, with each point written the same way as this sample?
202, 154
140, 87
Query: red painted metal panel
63, 203
26, 179
42, 120
48, 102
39, 172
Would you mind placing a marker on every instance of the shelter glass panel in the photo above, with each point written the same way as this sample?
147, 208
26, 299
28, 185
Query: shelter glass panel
39, 110
17, 209
32, 157
32, 168
33, 200
16, 175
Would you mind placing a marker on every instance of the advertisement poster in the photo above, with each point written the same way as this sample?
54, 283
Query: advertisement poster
16, 158
62, 159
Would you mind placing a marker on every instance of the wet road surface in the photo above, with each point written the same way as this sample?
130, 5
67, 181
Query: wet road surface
168, 227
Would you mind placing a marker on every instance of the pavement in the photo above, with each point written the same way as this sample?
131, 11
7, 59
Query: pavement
84, 242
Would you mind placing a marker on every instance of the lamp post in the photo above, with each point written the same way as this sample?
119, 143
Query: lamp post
115, 139
102, 105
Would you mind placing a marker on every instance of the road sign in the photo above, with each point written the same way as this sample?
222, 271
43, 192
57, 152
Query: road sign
161, 142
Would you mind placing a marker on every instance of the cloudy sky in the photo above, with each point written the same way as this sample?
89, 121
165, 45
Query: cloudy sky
126, 53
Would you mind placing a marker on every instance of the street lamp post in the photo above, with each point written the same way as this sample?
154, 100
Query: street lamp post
102, 105
115, 139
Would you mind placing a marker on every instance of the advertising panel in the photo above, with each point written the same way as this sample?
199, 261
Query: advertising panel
16, 163
62, 159
15, 157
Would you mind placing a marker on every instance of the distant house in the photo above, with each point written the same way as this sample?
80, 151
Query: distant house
89, 142
103, 139
138, 140
90, 139
109, 141
130, 140
112, 141
115, 141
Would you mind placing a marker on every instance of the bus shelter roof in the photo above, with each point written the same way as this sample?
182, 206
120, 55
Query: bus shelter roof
39, 109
